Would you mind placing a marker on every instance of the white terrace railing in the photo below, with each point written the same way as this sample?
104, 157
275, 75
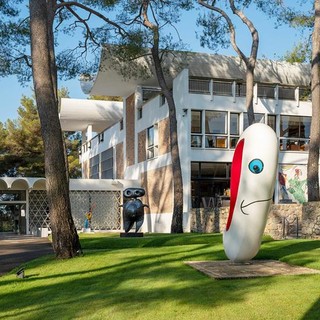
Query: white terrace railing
238, 89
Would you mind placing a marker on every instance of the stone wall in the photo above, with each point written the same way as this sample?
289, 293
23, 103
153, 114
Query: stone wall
284, 220
311, 220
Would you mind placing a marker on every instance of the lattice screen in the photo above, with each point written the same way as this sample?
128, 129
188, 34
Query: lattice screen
105, 209
38, 211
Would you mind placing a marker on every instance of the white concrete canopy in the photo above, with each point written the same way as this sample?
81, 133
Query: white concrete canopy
77, 114
110, 81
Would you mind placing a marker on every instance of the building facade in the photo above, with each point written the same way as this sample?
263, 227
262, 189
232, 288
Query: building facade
209, 93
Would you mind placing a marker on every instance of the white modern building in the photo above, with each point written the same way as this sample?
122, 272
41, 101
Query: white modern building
132, 141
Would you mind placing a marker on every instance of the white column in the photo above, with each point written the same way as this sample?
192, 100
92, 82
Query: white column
234, 86
276, 94
84, 137
28, 231
255, 93
89, 132
296, 95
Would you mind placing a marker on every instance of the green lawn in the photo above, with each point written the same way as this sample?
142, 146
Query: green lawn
146, 278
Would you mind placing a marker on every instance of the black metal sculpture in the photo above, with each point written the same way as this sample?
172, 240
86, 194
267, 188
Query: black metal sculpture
133, 208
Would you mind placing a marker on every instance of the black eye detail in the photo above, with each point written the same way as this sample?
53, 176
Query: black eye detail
256, 166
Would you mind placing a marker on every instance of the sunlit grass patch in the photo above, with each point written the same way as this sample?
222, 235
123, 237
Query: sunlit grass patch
146, 278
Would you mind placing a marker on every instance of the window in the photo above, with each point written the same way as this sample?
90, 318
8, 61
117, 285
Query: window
216, 129
210, 129
139, 113
210, 182
272, 121
222, 88
294, 133
196, 128
94, 167
266, 91
286, 93
216, 122
8, 195
234, 130
241, 89
199, 86
305, 94
107, 164
206, 86
149, 93
259, 117
152, 142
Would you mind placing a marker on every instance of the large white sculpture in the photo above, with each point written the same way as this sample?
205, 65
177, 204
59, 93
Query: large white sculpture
253, 174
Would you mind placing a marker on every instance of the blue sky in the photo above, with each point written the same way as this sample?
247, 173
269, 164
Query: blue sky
274, 43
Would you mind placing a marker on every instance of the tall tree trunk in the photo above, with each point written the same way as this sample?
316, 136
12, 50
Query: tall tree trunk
249, 93
65, 239
313, 160
177, 217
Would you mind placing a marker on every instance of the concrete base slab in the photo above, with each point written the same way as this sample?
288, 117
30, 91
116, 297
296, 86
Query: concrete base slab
226, 269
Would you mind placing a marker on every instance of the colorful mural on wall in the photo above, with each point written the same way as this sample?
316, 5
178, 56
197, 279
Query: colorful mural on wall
292, 183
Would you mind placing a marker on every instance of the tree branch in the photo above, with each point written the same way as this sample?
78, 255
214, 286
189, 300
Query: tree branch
230, 25
252, 29
69, 4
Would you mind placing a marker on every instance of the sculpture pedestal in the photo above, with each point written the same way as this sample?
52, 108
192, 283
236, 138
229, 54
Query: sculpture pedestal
131, 234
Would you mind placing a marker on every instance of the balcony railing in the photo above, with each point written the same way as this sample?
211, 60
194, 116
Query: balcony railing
199, 86
238, 89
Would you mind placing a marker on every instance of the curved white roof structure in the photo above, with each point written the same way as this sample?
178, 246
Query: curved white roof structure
77, 114
110, 81
22, 183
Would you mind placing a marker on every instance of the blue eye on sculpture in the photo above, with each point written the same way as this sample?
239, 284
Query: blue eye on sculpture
256, 166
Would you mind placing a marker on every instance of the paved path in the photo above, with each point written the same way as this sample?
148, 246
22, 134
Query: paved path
18, 249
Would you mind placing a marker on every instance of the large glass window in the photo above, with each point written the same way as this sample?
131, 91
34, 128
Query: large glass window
216, 122
107, 164
210, 183
210, 129
294, 133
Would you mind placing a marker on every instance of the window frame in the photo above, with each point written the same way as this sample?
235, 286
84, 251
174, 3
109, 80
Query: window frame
152, 142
